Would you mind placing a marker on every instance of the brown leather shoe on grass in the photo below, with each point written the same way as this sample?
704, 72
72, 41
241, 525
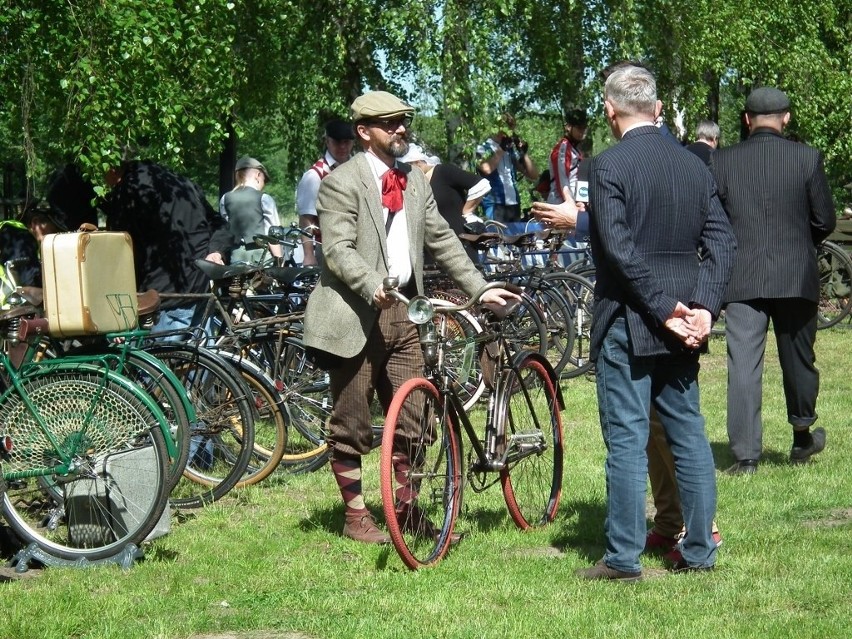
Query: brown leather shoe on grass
600, 572
363, 528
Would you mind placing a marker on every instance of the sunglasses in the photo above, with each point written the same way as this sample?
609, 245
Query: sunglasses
392, 124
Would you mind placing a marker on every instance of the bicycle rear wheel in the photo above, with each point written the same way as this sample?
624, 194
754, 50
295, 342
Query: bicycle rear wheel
222, 438
116, 490
420, 474
270, 427
532, 478
307, 403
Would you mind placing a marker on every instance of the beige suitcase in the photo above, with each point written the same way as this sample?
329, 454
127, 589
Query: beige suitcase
89, 283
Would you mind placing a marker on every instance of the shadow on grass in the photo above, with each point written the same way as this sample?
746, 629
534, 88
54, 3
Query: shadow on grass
580, 528
724, 459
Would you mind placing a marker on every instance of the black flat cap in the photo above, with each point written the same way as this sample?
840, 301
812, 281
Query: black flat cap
766, 100
339, 130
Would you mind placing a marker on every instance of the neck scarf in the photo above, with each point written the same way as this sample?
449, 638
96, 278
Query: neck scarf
393, 184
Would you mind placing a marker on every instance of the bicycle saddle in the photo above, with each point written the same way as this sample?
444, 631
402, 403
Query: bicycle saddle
223, 271
287, 275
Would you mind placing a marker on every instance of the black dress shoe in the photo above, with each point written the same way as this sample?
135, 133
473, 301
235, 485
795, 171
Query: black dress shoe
802, 455
600, 571
682, 567
743, 467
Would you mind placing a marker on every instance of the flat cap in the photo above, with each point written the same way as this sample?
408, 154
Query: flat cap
250, 163
339, 130
379, 104
766, 100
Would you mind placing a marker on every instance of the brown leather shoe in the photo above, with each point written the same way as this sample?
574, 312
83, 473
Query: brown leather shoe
600, 571
363, 528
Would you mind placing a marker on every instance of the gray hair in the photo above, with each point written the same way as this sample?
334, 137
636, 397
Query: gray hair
632, 91
707, 130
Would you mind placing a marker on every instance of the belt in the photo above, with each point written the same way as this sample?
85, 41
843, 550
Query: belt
251, 246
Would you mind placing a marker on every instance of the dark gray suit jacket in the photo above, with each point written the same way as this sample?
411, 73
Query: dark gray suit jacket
778, 200
653, 206
340, 313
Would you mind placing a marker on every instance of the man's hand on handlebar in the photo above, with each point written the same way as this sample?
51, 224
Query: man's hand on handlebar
498, 296
383, 298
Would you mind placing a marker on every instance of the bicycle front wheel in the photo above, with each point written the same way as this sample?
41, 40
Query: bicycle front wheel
835, 284
115, 489
420, 474
532, 478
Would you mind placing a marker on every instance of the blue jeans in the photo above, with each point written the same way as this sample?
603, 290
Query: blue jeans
627, 385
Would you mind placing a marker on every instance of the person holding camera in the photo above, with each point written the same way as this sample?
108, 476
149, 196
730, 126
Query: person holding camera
499, 159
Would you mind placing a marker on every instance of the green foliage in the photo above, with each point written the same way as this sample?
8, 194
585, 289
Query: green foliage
83, 79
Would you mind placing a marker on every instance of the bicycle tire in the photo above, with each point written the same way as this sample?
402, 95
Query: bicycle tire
580, 293
154, 381
461, 356
270, 424
526, 328
420, 499
307, 403
835, 283
117, 491
559, 318
532, 478
222, 439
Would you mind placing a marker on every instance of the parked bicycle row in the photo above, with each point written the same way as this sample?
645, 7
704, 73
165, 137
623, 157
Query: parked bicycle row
113, 429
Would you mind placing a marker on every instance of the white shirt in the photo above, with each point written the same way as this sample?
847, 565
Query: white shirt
399, 252
306, 192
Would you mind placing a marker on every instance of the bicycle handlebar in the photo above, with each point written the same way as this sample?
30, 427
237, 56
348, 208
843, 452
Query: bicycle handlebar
390, 285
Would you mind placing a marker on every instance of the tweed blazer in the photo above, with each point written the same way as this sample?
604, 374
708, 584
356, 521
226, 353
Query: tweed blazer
777, 197
340, 312
653, 205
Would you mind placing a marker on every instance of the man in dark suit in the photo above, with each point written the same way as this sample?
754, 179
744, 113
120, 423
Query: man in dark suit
376, 217
777, 197
707, 140
653, 205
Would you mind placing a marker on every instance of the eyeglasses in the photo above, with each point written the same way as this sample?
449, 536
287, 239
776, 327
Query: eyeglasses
393, 124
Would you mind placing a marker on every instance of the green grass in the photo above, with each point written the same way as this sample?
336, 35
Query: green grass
268, 561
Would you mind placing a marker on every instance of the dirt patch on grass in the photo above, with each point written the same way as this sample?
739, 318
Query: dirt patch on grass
255, 634
839, 517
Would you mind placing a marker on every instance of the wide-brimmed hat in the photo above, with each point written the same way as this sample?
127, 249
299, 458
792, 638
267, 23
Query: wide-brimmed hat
379, 105
250, 163
767, 100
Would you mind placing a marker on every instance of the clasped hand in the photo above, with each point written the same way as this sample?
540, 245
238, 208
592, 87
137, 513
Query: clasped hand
690, 325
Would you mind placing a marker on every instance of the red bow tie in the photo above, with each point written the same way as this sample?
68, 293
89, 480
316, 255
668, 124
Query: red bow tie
393, 184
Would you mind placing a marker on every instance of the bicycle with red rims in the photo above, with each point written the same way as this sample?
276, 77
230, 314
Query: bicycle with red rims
424, 469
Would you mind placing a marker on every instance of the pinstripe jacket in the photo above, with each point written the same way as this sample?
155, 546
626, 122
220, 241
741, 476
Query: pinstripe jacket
653, 205
340, 313
778, 200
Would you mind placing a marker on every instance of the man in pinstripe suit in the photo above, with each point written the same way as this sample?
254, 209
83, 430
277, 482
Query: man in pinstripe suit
376, 217
779, 203
653, 205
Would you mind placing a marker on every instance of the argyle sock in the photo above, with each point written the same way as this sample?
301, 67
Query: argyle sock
405, 493
802, 438
347, 473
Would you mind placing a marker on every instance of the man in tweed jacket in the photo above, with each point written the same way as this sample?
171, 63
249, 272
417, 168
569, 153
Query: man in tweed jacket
376, 217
